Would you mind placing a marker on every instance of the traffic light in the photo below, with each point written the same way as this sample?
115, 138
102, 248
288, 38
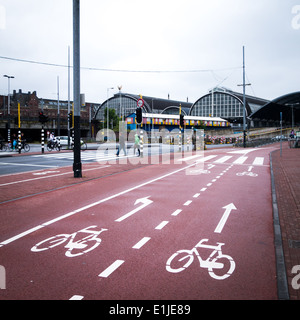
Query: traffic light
70, 119
42, 117
181, 120
139, 115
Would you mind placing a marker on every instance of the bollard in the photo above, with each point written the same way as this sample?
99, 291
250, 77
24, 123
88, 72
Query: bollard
19, 141
142, 144
43, 146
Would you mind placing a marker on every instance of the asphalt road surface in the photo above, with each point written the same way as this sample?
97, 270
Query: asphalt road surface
197, 227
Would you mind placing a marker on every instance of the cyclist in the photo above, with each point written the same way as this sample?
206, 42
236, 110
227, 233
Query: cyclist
52, 140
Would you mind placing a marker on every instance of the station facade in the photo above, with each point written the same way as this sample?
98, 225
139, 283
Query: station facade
220, 108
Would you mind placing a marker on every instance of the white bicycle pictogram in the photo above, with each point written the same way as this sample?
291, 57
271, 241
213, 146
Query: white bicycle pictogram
224, 264
75, 248
245, 173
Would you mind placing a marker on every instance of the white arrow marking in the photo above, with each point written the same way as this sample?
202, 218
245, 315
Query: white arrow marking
145, 202
226, 214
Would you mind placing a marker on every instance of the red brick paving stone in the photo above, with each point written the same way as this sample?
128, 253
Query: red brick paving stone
287, 183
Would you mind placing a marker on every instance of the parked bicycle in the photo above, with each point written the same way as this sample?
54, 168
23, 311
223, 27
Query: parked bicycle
224, 264
75, 248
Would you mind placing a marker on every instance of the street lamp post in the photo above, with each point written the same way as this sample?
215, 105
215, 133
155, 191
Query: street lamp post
8, 106
107, 110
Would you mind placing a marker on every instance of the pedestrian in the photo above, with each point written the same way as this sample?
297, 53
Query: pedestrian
121, 144
136, 144
292, 135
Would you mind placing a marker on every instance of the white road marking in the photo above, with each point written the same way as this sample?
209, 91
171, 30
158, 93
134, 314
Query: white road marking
223, 159
91, 205
240, 160
188, 203
162, 225
196, 195
47, 177
107, 272
203, 189
27, 165
176, 212
141, 243
258, 161
76, 297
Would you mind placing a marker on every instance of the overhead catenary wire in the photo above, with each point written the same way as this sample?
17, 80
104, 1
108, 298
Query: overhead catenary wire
117, 70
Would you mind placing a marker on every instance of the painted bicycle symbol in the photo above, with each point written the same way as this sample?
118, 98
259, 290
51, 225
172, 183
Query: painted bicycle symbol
247, 173
75, 248
219, 266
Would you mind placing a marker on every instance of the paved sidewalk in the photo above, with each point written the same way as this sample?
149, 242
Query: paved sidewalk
286, 171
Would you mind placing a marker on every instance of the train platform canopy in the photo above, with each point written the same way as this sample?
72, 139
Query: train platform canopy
288, 104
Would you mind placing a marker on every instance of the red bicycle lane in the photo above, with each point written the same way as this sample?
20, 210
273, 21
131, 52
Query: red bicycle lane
14, 247
177, 218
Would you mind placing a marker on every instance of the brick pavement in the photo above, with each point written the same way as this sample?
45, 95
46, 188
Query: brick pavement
286, 170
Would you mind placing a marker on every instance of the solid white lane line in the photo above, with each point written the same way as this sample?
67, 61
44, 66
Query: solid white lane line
47, 177
27, 165
107, 272
141, 243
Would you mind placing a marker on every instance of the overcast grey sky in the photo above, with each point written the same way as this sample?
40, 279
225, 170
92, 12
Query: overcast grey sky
156, 35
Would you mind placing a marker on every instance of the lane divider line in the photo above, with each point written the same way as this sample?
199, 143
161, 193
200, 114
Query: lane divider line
108, 271
141, 243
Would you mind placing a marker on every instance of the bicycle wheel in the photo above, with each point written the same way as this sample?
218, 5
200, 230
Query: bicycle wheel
50, 243
26, 148
176, 261
49, 148
226, 271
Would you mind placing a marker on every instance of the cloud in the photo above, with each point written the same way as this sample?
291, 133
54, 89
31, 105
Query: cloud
154, 35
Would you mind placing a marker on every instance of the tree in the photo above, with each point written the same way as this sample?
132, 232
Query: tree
113, 119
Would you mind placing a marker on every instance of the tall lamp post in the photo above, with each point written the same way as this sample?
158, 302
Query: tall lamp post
8, 106
107, 112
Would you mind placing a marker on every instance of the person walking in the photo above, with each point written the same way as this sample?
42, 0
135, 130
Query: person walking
121, 144
136, 144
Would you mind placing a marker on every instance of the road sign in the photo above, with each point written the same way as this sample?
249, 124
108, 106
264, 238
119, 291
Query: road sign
140, 103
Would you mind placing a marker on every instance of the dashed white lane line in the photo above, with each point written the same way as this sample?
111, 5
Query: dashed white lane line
76, 297
203, 189
188, 203
176, 212
162, 225
107, 272
141, 243
196, 195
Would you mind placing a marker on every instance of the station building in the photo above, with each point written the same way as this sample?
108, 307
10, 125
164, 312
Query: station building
220, 108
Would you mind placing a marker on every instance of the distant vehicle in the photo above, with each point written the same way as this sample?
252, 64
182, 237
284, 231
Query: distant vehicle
277, 138
64, 142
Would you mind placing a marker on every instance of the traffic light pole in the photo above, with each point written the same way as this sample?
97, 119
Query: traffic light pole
77, 167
